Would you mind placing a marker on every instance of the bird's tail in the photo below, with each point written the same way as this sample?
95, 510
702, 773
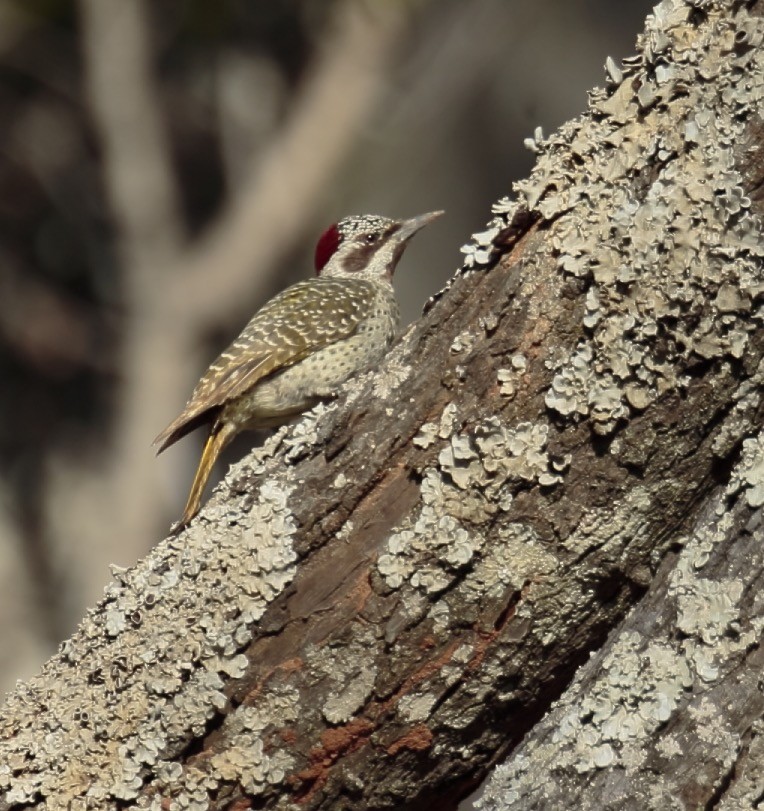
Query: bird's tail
220, 435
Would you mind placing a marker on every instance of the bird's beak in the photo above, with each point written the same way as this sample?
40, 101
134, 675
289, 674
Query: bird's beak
410, 227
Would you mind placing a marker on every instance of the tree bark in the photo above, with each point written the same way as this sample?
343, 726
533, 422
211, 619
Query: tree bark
377, 605
668, 713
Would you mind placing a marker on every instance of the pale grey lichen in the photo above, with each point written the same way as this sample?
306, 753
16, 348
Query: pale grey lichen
302, 436
569, 391
606, 405
346, 681
615, 74
707, 609
147, 695
463, 342
383, 386
535, 144
489, 322
636, 303
506, 380
245, 762
481, 250
448, 421
429, 533
749, 474
642, 681
492, 456
416, 707
426, 435
519, 361
440, 615
430, 431
478, 467
519, 557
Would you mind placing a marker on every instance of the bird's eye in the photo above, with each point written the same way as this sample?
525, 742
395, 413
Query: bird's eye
371, 238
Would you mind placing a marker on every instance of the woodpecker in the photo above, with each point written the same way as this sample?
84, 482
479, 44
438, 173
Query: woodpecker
304, 343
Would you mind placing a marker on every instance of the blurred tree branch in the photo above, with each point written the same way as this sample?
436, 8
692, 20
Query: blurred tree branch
137, 162
277, 200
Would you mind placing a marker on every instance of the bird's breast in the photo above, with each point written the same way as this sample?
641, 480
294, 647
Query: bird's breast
294, 389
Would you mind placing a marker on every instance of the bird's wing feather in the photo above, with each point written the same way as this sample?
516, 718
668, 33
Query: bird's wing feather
302, 319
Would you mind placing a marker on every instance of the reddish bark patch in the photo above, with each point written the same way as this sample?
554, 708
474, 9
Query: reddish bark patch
335, 743
417, 738
361, 591
341, 740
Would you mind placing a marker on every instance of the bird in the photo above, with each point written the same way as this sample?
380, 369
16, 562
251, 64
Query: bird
299, 348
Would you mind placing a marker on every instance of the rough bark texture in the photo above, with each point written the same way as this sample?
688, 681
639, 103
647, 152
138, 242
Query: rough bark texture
668, 714
377, 606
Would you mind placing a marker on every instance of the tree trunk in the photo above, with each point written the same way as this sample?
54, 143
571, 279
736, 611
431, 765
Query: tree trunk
376, 606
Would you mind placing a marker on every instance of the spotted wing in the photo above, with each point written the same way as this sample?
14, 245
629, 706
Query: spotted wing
304, 318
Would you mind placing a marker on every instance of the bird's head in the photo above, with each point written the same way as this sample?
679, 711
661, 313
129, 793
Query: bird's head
368, 246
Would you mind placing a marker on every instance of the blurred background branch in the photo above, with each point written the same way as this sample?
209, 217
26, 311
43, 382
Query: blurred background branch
283, 183
137, 162
165, 167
